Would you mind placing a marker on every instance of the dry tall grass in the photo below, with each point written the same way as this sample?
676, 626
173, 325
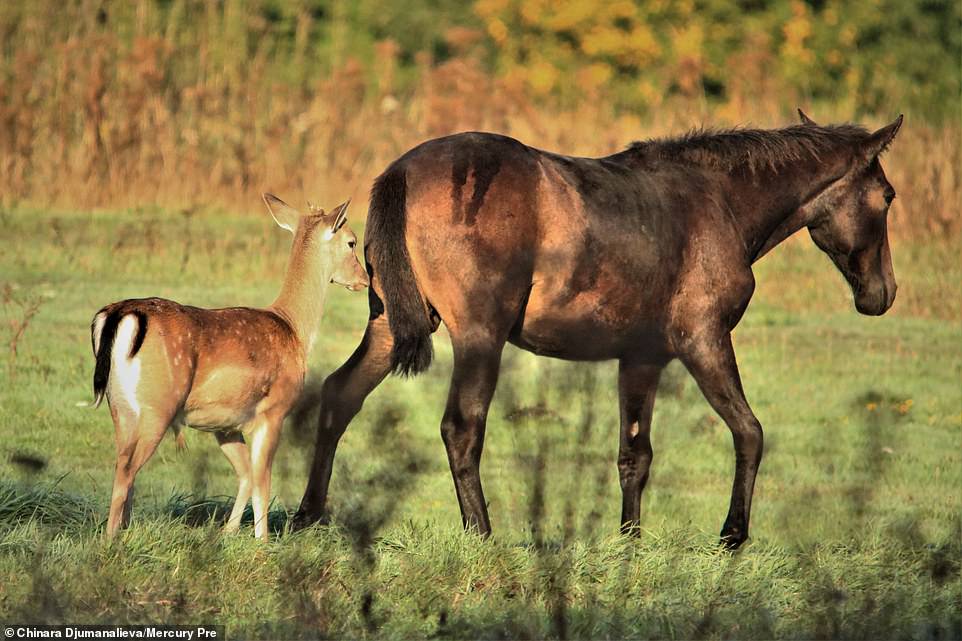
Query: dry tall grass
92, 116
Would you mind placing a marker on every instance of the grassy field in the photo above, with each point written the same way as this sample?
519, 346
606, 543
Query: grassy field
856, 530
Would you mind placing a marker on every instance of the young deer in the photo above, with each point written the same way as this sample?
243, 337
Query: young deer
234, 372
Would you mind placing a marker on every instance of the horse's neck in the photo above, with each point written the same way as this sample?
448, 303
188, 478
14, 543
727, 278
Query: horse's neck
769, 205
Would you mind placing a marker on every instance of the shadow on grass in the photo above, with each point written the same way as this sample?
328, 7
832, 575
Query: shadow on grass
391, 467
45, 504
203, 511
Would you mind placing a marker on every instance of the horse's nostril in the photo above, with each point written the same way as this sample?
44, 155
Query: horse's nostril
890, 295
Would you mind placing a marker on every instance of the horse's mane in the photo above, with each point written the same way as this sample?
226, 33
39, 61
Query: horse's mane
728, 149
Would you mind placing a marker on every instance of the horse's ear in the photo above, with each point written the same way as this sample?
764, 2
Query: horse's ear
805, 119
284, 215
881, 139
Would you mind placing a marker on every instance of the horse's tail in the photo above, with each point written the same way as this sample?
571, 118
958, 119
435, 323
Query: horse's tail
386, 254
103, 331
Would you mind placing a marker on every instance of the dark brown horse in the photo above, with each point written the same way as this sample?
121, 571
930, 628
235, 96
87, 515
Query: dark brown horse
642, 256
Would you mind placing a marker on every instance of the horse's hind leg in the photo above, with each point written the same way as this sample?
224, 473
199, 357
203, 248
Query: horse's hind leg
342, 396
711, 361
473, 382
637, 385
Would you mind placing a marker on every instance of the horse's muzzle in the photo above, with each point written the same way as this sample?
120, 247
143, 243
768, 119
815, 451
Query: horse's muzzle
875, 301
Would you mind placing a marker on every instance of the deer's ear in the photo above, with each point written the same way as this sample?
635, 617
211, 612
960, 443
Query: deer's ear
805, 119
881, 139
339, 216
284, 215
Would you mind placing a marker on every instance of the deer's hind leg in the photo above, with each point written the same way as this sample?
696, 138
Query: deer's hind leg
137, 437
234, 447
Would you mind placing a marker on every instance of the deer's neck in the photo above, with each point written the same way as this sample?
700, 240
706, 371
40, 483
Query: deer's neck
301, 299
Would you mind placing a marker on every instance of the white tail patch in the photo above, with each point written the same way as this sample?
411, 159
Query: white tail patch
99, 321
125, 372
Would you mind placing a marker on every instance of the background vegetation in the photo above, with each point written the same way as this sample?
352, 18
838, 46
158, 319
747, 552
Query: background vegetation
135, 139
191, 104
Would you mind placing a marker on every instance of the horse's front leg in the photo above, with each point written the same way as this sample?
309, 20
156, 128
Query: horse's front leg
637, 384
711, 360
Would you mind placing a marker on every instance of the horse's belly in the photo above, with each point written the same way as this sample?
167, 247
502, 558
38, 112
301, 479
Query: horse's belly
590, 326
560, 342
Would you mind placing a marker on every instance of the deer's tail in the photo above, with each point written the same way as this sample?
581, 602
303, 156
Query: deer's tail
387, 255
103, 331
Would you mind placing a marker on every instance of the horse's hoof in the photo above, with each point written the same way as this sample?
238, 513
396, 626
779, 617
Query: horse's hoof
303, 520
732, 540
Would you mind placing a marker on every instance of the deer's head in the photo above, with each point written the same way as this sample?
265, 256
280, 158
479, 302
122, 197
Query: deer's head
322, 242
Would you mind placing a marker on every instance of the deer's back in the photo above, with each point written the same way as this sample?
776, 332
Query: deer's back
216, 368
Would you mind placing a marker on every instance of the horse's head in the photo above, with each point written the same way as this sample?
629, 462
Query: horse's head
849, 223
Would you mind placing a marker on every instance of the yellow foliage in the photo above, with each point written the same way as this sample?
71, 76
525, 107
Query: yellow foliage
650, 93
488, 8
688, 41
543, 76
634, 47
497, 30
621, 9
599, 41
644, 43
532, 11
594, 76
848, 35
830, 16
797, 30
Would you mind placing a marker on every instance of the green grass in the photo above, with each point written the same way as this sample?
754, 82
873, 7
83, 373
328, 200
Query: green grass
857, 521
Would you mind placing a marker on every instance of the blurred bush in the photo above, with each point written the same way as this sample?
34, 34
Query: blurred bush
865, 56
188, 102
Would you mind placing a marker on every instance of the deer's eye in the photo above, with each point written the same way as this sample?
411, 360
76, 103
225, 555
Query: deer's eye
889, 196
352, 244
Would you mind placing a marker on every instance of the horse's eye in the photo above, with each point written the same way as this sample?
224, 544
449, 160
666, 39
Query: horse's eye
352, 244
889, 196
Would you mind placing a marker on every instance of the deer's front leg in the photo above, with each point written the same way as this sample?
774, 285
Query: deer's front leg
711, 360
